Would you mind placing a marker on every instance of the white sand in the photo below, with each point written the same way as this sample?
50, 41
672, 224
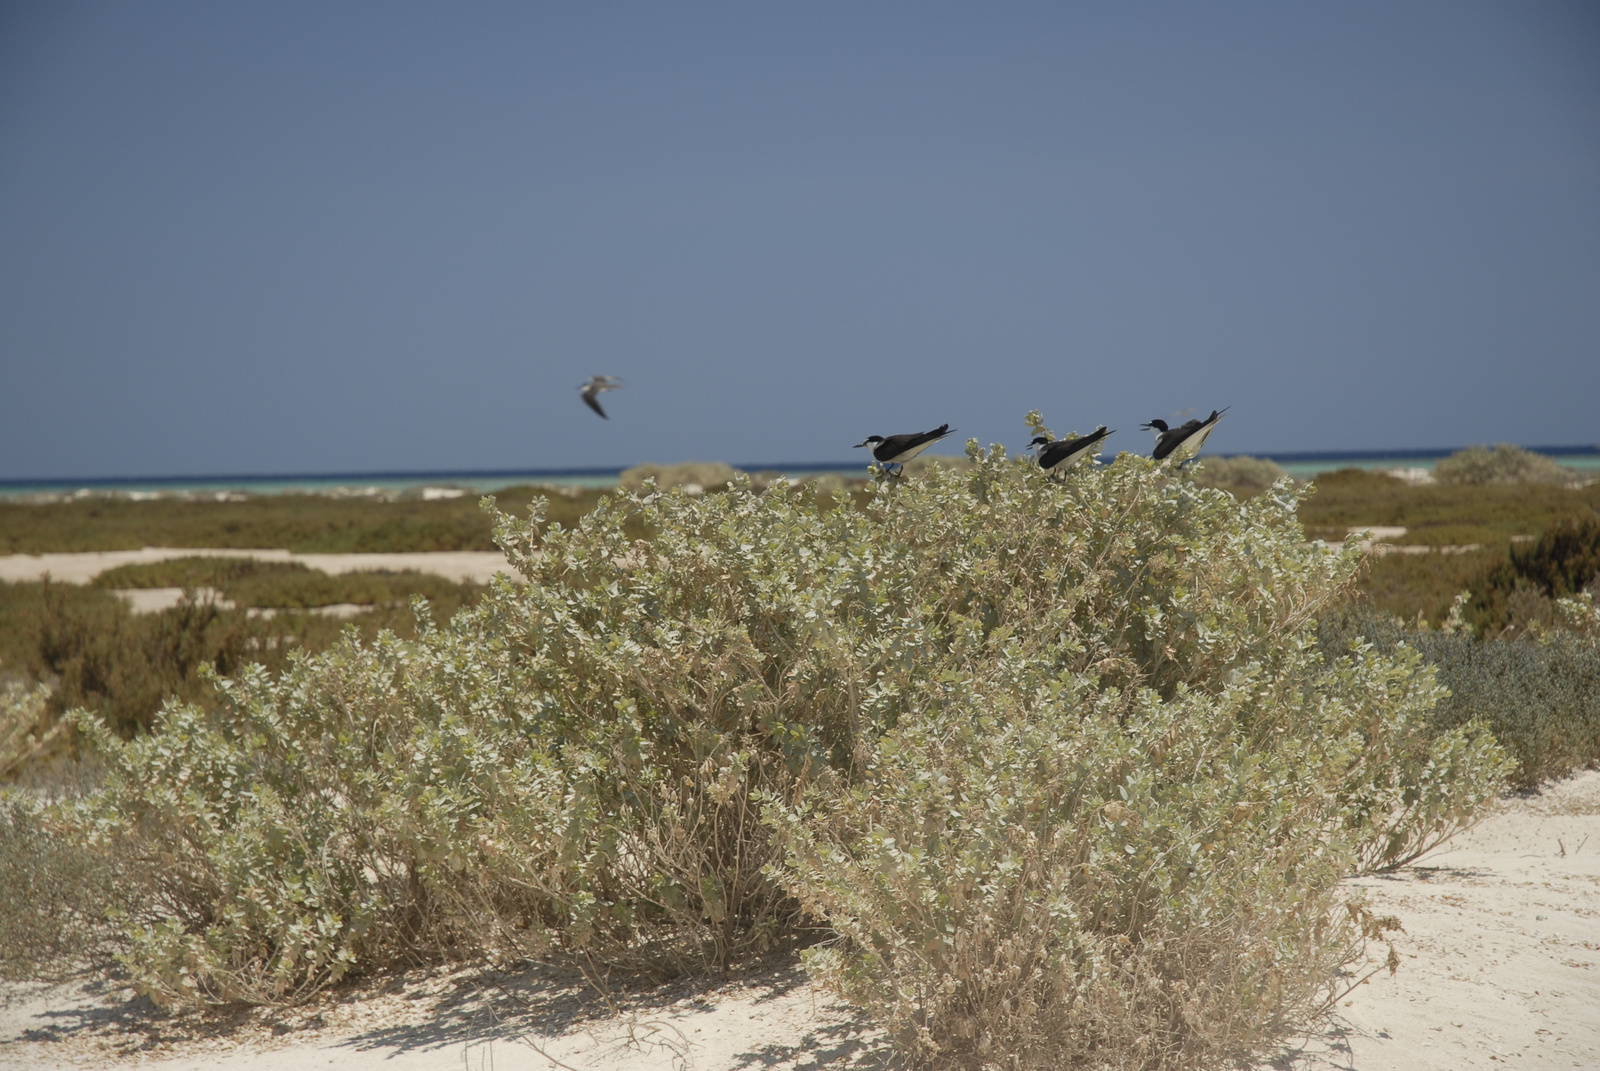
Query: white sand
774, 1020
1500, 966
154, 600
1500, 958
80, 568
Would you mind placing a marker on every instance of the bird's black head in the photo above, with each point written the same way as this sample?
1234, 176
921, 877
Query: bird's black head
1156, 425
872, 440
1041, 440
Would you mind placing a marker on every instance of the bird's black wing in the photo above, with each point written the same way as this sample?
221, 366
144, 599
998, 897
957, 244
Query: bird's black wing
1170, 440
923, 437
594, 403
1060, 450
895, 445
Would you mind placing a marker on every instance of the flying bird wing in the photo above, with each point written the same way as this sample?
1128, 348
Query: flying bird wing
592, 390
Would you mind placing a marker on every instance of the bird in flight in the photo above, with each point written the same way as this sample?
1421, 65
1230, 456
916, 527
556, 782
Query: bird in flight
592, 390
1183, 442
898, 449
1059, 455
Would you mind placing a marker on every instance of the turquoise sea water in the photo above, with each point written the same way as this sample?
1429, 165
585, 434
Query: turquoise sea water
1585, 459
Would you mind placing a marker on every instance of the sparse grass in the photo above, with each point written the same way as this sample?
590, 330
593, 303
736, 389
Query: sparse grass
705, 475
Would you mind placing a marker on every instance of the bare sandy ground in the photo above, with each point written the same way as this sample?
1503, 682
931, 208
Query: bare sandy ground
773, 1020
1500, 958
82, 567
1500, 966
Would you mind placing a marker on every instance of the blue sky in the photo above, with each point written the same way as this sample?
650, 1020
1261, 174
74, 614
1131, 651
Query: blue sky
309, 237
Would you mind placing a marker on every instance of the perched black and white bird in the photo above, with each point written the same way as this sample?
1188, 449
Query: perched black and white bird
898, 449
1183, 442
592, 390
1059, 455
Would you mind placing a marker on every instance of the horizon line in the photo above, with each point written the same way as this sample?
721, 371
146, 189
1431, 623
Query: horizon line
1294, 456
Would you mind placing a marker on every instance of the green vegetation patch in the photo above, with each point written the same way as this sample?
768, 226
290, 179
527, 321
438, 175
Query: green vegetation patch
249, 582
98, 655
1518, 592
1423, 586
303, 523
1440, 515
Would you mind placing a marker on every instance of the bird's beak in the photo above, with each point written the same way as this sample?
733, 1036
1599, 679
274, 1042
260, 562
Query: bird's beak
858, 446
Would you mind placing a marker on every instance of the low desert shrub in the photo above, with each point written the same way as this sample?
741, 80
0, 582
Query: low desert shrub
1441, 514
1520, 590
249, 582
1504, 463
690, 475
101, 657
1242, 474
27, 732
1089, 713
122, 666
1539, 694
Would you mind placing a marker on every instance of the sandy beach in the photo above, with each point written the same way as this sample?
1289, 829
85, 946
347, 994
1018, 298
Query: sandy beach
1500, 966
478, 566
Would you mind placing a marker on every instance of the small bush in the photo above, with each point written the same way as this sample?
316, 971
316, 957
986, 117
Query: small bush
1243, 475
27, 732
1519, 591
1565, 560
58, 897
1504, 463
122, 665
1540, 697
704, 475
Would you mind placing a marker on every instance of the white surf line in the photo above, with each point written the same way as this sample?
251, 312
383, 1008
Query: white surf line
476, 566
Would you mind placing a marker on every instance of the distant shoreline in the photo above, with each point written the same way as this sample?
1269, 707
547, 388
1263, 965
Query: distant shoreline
1298, 463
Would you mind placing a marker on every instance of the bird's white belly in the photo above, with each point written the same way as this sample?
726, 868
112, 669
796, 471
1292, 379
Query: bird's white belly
1191, 446
907, 455
1070, 460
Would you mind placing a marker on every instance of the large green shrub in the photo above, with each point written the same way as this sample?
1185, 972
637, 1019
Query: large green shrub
1112, 836
1097, 701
